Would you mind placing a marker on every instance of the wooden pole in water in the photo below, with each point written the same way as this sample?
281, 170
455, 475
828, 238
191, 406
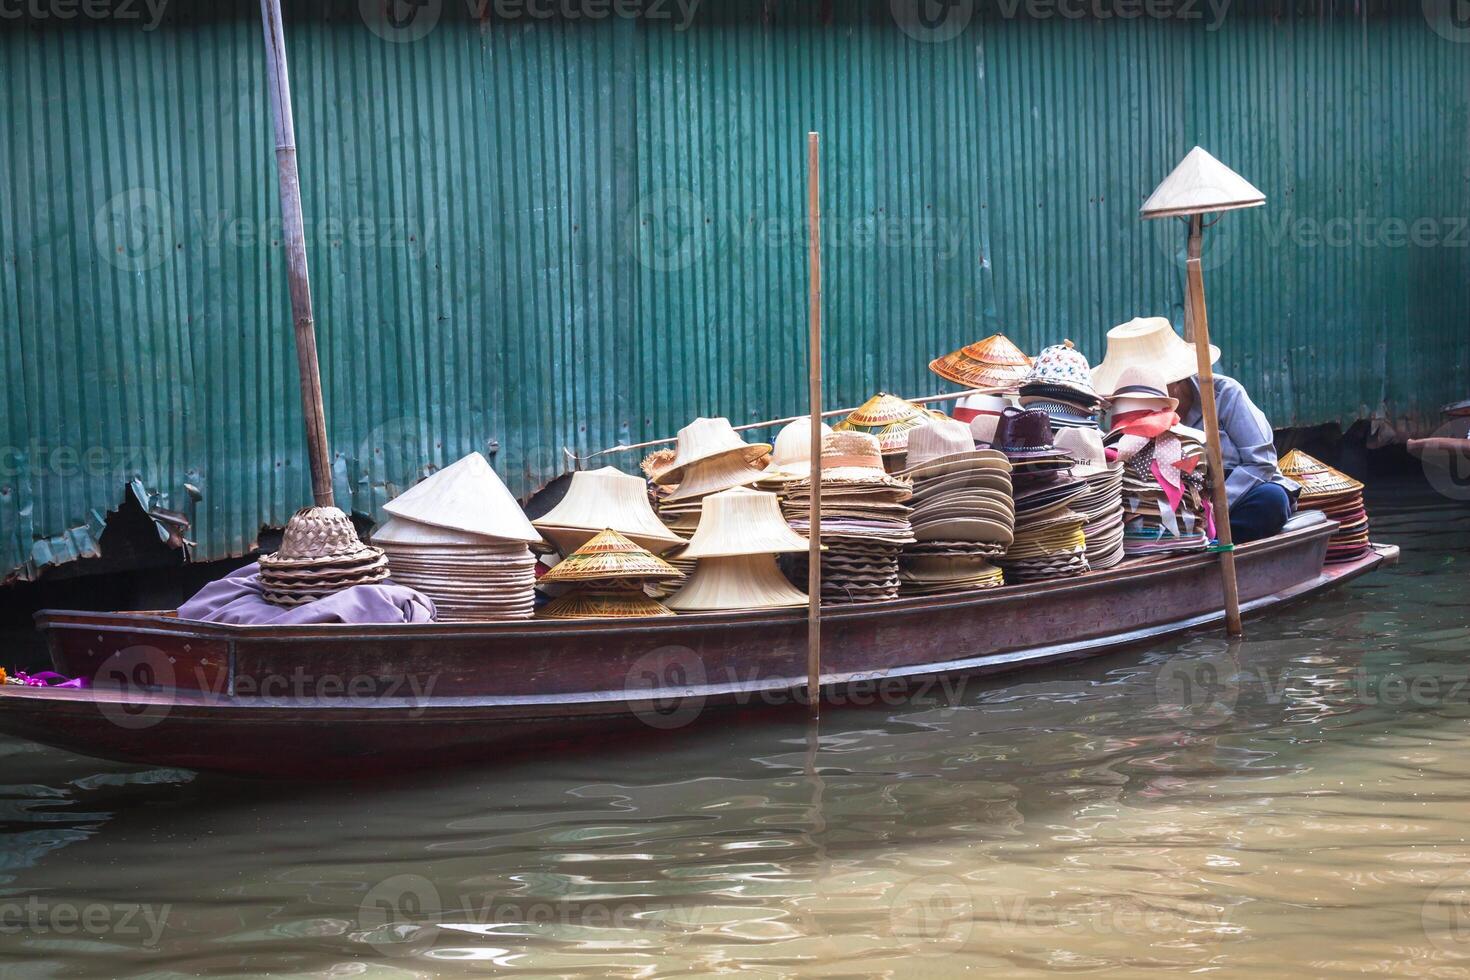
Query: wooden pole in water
278, 81
1196, 304
814, 382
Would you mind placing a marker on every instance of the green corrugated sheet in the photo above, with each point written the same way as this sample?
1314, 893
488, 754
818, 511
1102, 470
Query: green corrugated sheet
538, 234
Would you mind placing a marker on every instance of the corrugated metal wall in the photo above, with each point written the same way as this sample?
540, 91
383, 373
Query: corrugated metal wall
535, 234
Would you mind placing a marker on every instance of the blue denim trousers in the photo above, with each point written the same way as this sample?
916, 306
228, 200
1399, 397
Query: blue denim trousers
1260, 513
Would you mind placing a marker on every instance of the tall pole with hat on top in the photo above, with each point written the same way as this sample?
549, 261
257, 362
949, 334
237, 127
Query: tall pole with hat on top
814, 393
1202, 185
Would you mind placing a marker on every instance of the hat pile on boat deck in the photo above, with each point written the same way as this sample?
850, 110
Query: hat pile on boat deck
963, 516
740, 534
1102, 505
320, 555
1049, 542
864, 519
609, 572
791, 459
1169, 516
1338, 496
993, 363
889, 419
1060, 384
710, 457
460, 538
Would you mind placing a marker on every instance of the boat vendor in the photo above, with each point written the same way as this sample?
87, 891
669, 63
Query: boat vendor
1261, 499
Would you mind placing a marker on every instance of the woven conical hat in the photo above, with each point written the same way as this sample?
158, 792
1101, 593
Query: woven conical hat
737, 582
1316, 477
465, 496
1200, 184
889, 419
605, 498
398, 532
319, 537
583, 604
609, 555
994, 362
742, 522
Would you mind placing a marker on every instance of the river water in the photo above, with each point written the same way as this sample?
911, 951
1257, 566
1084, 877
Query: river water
1297, 802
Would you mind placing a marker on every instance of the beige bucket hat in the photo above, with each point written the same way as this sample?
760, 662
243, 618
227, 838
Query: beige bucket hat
1150, 341
600, 499
705, 439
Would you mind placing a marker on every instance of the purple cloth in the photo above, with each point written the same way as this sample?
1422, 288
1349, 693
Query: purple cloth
236, 599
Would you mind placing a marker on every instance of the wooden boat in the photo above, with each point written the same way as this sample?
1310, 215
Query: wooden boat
331, 701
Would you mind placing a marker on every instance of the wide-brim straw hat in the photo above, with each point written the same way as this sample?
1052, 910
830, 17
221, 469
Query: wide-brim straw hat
590, 604
1316, 477
610, 555
945, 446
736, 582
605, 498
1142, 386
740, 521
1086, 447
318, 537
465, 496
852, 460
1147, 341
712, 475
399, 532
889, 419
791, 455
979, 529
993, 363
705, 439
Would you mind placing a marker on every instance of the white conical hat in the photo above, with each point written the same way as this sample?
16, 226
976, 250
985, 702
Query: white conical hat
742, 522
1201, 184
465, 496
600, 499
401, 531
738, 582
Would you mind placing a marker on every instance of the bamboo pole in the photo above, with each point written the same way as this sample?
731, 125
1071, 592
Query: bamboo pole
814, 382
313, 414
1196, 303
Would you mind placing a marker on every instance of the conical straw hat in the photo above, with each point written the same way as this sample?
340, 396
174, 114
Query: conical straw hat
400, 532
585, 604
1316, 477
712, 475
465, 496
1198, 185
610, 556
600, 499
742, 522
1148, 341
889, 419
736, 582
704, 439
792, 456
994, 362
319, 536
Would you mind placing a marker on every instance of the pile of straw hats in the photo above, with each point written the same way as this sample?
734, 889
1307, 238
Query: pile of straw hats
1147, 341
601, 499
1049, 542
1060, 384
963, 515
889, 419
1141, 388
1164, 493
460, 538
791, 459
1338, 496
320, 555
864, 519
993, 363
1102, 505
710, 457
740, 534
609, 573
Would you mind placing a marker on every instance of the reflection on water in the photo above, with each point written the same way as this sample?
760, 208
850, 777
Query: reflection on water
1295, 802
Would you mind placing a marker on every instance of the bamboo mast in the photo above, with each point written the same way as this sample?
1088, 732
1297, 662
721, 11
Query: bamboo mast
1195, 286
814, 381
278, 82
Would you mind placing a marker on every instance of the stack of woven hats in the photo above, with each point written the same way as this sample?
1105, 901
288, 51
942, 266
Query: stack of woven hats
460, 538
1049, 542
740, 534
889, 419
1102, 504
864, 519
320, 555
710, 457
600, 499
609, 573
963, 516
994, 363
1338, 496
791, 459
1060, 384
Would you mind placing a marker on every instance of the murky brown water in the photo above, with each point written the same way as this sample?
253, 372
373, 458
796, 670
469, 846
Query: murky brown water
1295, 803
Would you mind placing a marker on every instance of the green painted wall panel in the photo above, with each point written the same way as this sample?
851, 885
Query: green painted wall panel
531, 235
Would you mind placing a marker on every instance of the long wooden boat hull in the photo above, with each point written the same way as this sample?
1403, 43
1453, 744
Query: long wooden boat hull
332, 701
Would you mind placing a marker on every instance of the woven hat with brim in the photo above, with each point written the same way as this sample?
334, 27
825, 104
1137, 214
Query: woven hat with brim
1142, 387
791, 457
851, 459
944, 447
1149, 341
590, 604
1086, 447
608, 556
966, 529
318, 538
656, 462
713, 475
889, 419
736, 582
1316, 477
400, 533
705, 439
605, 498
994, 363
465, 496
742, 522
